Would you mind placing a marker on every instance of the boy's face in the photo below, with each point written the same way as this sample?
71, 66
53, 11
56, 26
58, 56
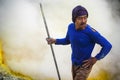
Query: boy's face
80, 22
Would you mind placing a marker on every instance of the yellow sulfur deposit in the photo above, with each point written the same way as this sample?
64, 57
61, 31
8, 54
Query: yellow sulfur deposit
0, 53
5, 72
102, 75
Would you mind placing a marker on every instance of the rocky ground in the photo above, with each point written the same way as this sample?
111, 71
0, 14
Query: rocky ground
7, 76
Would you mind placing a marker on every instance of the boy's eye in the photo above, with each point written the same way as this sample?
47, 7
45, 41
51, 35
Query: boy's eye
80, 18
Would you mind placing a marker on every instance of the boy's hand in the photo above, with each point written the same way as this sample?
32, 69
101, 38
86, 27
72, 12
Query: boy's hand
89, 63
50, 40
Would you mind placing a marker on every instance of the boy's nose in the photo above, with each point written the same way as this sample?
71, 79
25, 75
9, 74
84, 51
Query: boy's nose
83, 20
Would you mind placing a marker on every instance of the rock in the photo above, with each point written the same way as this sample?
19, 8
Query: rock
4, 75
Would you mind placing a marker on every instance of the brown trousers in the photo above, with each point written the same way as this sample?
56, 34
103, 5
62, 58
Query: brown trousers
80, 73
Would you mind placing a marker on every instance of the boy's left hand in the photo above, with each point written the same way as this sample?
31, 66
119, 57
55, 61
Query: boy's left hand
89, 63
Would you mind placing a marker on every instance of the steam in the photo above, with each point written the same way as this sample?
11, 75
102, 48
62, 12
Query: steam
115, 12
23, 35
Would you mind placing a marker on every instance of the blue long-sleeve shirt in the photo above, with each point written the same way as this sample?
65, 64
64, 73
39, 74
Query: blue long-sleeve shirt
82, 43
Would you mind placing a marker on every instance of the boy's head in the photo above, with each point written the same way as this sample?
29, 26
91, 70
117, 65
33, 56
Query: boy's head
79, 17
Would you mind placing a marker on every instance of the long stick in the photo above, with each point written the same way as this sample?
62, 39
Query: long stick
50, 44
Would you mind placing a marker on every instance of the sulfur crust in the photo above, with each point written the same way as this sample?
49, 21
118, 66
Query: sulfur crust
7, 70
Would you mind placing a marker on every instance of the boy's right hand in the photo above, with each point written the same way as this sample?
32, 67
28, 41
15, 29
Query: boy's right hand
51, 40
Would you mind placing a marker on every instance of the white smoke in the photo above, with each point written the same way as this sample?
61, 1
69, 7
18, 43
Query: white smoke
23, 34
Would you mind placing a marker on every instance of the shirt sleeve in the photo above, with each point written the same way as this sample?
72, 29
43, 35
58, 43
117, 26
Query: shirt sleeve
105, 44
63, 41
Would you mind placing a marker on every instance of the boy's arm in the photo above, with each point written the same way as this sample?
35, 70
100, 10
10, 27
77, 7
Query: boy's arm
63, 41
105, 44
